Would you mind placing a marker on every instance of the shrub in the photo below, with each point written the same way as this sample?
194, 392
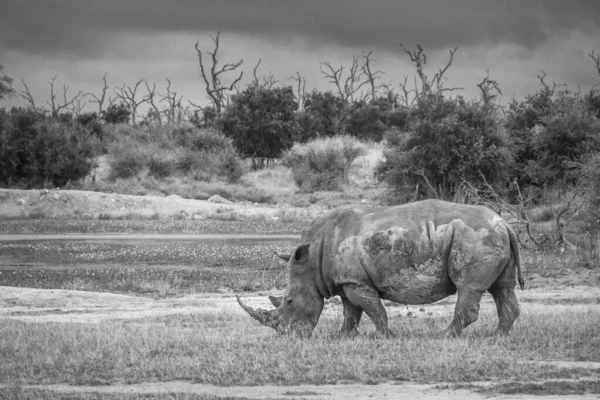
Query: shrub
323, 164
127, 160
160, 167
207, 139
36, 150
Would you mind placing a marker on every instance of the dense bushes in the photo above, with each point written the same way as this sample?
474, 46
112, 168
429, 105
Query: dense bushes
162, 151
39, 151
323, 164
446, 141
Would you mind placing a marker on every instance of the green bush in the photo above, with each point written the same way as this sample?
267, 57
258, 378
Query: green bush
37, 150
323, 164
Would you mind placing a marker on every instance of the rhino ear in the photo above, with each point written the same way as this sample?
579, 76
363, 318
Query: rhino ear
302, 254
276, 300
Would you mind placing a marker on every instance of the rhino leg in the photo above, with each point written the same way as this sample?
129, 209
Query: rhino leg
367, 299
352, 315
466, 311
507, 306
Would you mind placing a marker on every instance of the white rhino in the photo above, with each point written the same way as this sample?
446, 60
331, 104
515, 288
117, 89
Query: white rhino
410, 254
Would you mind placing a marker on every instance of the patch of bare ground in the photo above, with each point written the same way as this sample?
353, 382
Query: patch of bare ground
391, 390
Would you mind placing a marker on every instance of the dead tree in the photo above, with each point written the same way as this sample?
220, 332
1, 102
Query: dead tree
55, 107
370, 75
150, 99
419, 58
216, 91
349, 86
409, 96
127, 94
26, 94
78, 105
174, 111
490, 90
301, 90
100, 99
596, 58
550, 90
263, 82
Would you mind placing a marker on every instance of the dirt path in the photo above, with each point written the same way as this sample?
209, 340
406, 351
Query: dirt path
309, 392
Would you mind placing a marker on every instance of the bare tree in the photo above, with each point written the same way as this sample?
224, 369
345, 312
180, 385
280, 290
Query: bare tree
26, 94
150, 98
419, 58
216, 91
371, 76
409, 96
78, 105
55, 107
100, 99
127, 94
596, 58
174, 111
263, 82
547, 88
490, 90
349, 86
301, 90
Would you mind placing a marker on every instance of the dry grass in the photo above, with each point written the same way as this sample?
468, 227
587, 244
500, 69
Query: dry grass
231, 349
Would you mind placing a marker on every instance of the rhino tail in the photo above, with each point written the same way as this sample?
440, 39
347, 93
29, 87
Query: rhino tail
514, 245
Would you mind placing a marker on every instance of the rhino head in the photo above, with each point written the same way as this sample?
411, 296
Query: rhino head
299, 309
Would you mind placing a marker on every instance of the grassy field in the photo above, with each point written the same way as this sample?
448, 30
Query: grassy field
229, 349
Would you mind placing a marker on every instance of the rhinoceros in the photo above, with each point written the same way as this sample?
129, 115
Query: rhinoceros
415, 253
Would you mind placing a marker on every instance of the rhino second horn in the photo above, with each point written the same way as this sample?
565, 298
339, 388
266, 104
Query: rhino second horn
276, 300
262, 316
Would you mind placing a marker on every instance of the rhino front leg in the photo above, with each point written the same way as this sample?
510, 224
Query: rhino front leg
367, 299
352, 315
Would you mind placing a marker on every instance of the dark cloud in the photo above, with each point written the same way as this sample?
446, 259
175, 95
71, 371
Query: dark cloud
88, 28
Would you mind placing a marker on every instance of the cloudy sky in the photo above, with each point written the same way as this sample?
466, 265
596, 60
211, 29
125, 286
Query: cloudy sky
80, 40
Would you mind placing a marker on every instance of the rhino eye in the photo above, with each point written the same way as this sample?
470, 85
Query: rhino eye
289, 301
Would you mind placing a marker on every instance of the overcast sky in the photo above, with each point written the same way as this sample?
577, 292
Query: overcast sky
80, 40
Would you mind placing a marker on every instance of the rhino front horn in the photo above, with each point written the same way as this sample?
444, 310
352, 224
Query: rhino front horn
261, 315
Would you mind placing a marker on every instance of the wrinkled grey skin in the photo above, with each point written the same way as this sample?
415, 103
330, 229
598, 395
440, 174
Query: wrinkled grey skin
410, 254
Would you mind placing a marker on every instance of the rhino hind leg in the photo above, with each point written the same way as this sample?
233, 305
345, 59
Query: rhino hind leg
466, 311
366, 298
507, 306
352, 316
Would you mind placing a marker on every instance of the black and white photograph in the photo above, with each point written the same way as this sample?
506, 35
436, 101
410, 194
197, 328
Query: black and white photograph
299, 200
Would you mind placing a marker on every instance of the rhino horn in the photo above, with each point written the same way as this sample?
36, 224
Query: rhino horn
261, 315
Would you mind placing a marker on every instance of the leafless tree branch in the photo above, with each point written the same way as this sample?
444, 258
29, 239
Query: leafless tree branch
371, 76
26, 94
150, 99
216, 91
100, 99
301, 89
127, 95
